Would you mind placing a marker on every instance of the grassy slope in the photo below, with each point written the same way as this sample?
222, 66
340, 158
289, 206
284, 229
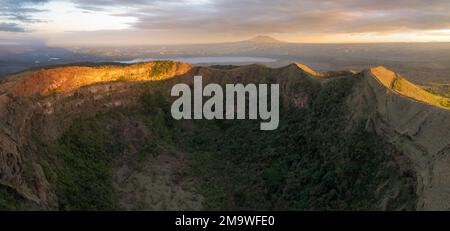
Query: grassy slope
439, 89
402, 86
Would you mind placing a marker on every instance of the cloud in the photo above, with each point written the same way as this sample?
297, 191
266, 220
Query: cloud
183, 20
10, 27
18, 12
282, 16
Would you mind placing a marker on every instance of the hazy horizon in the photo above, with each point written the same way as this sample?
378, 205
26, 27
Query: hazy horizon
8, 42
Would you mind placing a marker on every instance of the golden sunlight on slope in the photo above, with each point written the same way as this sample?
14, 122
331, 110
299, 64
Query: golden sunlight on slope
397, 83
66, 79
308, 70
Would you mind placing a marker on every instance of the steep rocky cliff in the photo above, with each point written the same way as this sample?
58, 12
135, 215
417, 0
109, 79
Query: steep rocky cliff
414, 121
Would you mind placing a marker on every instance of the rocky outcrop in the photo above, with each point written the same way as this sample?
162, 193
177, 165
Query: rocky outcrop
414, 125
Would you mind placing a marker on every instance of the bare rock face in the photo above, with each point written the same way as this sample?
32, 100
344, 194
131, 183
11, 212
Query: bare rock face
10, 162
415, 123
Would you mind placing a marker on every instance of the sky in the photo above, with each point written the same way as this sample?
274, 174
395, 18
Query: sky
137, 22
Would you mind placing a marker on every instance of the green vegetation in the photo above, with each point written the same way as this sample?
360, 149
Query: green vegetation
155, 112
9, 200
161, 67
224, 67
316, 160
441, 90
409, 89
80, 164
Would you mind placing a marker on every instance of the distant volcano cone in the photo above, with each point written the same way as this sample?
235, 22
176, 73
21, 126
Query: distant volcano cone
263, 39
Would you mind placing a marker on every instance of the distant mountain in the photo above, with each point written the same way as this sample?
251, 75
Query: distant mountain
263, 39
